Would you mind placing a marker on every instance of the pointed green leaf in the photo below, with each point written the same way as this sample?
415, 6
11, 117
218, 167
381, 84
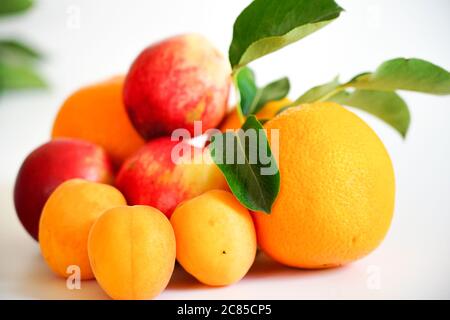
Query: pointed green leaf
14, 6
268, 25
275, 90
319, 92
405, 74
251, 97
388, 106
16, 52
315, 94
252, 174
247, 89
19, 77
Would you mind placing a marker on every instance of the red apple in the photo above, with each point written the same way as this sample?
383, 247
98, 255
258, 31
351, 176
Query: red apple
50, 165
175, 82
164, 173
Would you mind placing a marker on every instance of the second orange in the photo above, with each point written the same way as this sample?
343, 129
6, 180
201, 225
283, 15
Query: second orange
96, 113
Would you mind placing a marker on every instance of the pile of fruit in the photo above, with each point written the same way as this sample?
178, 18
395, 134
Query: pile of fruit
106, 196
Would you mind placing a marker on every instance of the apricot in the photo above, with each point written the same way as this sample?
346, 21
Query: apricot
132, 252
66, 220
47, 167
159, 176
96, 113
175, 82
216, 240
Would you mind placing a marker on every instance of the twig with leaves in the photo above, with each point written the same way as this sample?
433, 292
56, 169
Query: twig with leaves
266, 26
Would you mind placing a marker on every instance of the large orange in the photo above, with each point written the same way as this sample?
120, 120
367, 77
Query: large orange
96, 113
337, 189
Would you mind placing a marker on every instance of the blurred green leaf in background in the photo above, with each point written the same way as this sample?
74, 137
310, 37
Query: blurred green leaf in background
8, 7
17, 59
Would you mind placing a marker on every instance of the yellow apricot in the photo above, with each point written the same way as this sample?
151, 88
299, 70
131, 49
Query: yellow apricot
216, 241
66, 220
132, 252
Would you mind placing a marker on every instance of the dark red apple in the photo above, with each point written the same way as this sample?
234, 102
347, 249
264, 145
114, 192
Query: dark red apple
50, 165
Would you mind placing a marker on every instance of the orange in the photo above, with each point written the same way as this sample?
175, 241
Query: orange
216, 240
337, 189
66, 220
96, 113
269, 111
132, 252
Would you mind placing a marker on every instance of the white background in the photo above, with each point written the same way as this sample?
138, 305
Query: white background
86, 41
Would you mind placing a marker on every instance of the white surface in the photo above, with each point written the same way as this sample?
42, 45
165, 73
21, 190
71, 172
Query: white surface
413, 261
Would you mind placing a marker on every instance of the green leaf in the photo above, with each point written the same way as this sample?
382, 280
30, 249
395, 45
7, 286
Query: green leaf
252, 175
316, 94
14, 6
275, 90
388, 106
319, 92
268, 25
251, 97
247, 89
19, 77
405, 74
16, 52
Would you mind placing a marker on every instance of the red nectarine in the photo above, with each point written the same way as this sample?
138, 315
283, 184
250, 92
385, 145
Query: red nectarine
175, 82
151, 177
50, 165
